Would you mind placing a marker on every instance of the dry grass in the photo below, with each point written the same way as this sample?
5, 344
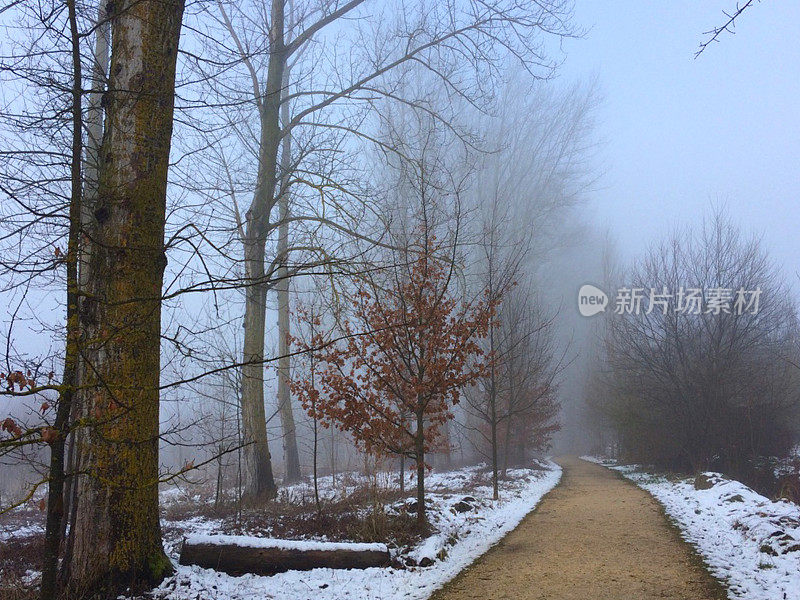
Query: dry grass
366, 514
16, 558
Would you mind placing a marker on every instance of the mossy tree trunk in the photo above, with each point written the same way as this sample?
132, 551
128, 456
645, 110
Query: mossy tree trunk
259, 483
116, 538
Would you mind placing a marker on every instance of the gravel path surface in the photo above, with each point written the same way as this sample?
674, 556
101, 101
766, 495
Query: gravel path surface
594, 537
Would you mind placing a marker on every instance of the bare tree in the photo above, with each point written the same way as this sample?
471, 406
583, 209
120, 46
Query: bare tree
531, 368
267, 43
704, 379
535, 172
502, 260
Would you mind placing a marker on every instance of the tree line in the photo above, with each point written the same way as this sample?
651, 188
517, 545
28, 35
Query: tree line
707, 379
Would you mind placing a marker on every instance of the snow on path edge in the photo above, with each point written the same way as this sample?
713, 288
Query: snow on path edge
730, 525
479, 534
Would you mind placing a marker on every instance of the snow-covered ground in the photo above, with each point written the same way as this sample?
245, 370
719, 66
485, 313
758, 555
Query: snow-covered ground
749, 542
465, 527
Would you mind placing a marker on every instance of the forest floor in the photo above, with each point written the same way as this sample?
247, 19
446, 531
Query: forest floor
594, 536
464, 522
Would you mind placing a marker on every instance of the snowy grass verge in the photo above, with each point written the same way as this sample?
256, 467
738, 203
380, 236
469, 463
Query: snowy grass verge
749, 542
461, 535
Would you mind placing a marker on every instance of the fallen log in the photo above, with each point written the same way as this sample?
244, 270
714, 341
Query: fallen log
236, 554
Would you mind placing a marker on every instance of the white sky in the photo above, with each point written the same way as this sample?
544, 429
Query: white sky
679, 133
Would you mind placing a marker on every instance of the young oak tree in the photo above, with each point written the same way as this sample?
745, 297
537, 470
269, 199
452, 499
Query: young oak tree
409, 350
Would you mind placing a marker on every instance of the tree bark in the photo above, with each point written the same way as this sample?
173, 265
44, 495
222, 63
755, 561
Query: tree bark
291, 455
281, 557
259, 482
116, 539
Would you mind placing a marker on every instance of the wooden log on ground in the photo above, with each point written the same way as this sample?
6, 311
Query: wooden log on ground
235, 555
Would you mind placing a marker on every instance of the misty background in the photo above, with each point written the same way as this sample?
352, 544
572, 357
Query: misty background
672, 136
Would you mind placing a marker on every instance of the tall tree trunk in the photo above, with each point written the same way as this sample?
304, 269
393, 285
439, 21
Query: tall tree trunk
91, 158
492, 381
447, 449
316, 433
506, 446
238, 465
333, 457
94, 139
316, 472
55, 488
117, 536
290, 454
259, 482
495, 485
218, 489
493, 415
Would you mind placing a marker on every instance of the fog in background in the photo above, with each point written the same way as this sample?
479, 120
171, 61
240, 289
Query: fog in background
678, 132
671, 137
679, 135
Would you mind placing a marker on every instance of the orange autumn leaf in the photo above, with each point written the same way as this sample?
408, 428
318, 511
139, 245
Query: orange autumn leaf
49, 435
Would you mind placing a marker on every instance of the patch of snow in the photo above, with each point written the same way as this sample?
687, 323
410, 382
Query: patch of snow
599, 460
21, 531
31, 576
196, 525
462, 536
749, 542
247, 541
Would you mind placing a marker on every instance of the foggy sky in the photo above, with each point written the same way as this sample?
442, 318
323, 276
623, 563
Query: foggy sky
679, 133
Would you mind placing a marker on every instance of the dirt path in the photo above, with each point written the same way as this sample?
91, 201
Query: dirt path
594, 537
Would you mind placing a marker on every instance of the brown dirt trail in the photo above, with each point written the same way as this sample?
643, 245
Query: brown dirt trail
594, 537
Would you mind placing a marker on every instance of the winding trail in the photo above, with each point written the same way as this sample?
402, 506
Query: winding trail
594, 537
